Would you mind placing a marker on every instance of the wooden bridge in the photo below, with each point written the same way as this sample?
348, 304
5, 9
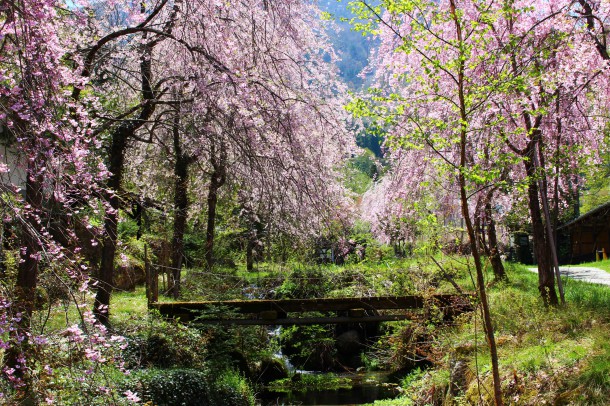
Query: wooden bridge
286, 311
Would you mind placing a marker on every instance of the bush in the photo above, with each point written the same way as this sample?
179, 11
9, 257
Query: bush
191, 387
232, 389
179, 387
167, 344
310, 347
304, 284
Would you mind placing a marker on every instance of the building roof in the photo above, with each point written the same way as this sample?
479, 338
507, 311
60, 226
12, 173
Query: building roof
600, 212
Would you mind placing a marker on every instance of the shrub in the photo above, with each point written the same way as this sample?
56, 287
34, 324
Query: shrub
191, 387
167, 344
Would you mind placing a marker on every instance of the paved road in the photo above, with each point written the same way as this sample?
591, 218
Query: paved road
581, 273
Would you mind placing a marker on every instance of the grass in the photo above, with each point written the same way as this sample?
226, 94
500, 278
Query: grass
125, 307
306, 382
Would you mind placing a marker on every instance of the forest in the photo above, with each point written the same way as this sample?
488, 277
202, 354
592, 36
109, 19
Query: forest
418, 180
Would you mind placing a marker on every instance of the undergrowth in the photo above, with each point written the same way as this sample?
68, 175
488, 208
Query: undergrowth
558, 356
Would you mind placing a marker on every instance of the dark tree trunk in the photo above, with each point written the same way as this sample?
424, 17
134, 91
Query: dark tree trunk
492, 245
217, 179
106, 273
116, 158
215, 185
546, 278
27, 276
29, 256
181, 204
250, 254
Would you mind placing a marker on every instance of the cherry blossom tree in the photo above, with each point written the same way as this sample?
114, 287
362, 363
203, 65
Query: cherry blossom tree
261, 112
52, 146
488, 88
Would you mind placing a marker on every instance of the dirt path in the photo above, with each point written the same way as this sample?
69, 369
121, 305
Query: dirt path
585, 274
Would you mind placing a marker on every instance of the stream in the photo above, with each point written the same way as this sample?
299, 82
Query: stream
367, 387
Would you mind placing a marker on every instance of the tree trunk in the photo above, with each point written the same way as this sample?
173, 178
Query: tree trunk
29, 255
116, 157
489, 332
215, 185
109, 242
217, 179
546, 278
250, 254
181, 204
27, 278
492, 244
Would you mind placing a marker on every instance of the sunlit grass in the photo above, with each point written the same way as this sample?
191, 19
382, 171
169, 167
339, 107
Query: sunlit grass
126, 306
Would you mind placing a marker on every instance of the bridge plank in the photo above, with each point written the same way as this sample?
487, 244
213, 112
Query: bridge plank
189, 310
308, 320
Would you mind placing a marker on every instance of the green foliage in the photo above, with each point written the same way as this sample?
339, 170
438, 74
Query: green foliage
366, 163
356, 180
307, 382
191, 387
166, 344
360, 171
231, 388
305, 282
310, 347
597, 186
127, 227
183, 387
73, 386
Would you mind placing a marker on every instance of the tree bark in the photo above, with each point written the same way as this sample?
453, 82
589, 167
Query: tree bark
546, 278
489, 331
492, 245
250, 254
27, 278
29, 255
181, 205
116, 158
217, 179
106, 273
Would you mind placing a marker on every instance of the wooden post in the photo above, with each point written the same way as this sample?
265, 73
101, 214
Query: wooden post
155, 285
163, 274
148, 277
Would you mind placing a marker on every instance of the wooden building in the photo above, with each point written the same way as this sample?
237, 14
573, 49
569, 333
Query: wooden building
585, 237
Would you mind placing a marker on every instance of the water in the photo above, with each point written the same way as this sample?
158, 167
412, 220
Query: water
367, 387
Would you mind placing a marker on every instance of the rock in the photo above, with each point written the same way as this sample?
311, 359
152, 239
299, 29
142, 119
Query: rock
349, 343
128, 275
272, 369
459, 377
